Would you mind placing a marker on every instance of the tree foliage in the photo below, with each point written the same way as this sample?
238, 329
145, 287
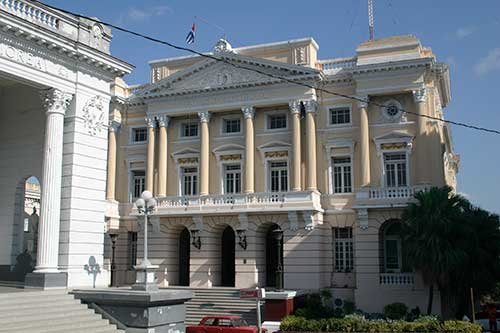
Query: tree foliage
453, 244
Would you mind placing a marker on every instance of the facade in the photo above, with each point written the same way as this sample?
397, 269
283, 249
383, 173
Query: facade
233, 155
55, 76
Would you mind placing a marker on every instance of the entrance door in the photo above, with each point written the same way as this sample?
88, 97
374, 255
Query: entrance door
184, 256
272, 253
227, 264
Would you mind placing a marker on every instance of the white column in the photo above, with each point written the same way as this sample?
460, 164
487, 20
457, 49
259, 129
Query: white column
111, 179
421, 149
55, 103
162, 156
364, 140
248, 115
296, 154
150, 163
310, 106
204, 152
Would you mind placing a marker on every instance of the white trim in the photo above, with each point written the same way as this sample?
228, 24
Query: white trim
277, 112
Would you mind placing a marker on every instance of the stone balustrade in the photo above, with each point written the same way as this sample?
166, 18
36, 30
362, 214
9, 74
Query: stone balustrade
387, 196
236, 203
333, 66
399, 279
30, 12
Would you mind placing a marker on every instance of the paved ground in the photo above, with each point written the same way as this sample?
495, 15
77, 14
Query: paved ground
11, 287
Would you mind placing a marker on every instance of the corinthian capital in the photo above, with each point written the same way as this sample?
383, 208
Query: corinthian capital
363, 101
310, 105
248, 112
294, 106
55, 101
204, 116
163, 121
420, 95
151, 122
114, 126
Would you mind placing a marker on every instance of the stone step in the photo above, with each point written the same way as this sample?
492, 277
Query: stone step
52, 323
15, 314
59, 305
33, 293
58, 327
33, 299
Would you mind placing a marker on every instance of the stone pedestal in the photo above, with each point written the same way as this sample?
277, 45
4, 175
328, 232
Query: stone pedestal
140, 311
279, 304
46, 281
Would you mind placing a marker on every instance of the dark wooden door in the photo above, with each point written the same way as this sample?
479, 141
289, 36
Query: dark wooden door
272, 253
228, 258
184, 256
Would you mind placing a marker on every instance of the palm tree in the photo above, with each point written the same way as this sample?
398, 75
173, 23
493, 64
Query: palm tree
432, 229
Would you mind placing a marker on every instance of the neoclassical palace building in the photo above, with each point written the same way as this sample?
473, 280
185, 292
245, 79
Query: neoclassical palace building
233, 155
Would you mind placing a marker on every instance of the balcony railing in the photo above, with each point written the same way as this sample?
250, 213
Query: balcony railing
226, 203
30, 12
388, 193
332, 66
397, 279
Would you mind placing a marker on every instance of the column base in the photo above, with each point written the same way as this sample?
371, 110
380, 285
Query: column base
46, 280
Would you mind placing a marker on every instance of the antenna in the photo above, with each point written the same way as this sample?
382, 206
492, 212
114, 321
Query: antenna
371, 28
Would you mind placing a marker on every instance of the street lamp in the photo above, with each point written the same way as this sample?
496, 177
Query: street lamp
113, 238
146, 205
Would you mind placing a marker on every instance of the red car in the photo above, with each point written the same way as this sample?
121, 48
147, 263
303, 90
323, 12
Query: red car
223, 324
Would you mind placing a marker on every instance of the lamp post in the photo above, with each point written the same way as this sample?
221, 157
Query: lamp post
278, 236
113, 263
146, 205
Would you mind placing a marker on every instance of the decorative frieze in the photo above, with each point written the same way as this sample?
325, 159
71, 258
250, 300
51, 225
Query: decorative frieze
188, 160
389, 146
232, 157
271, 154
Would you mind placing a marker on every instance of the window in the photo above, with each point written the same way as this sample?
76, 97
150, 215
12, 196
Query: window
139, 134
344, 252
26, 227
132, 249
138, 183
232, 126
395, 169
232, 178
189, 181
276, 121
340, 116
342, 175
279, 176
189, 129
392, 249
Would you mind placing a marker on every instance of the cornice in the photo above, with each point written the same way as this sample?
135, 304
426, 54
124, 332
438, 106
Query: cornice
392, 66
66, 47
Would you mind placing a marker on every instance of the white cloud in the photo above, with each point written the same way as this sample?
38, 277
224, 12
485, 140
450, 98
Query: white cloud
140, 14
464, 32
489, 63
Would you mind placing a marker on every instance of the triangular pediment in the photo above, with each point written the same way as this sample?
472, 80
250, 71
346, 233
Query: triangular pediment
234, 71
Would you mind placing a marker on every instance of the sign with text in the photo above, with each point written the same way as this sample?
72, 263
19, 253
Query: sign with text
257, 293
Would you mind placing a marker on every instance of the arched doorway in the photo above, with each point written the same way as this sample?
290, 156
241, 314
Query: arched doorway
228, 257
274, 254
184, 257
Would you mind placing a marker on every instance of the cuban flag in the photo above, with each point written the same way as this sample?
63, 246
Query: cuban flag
190, 35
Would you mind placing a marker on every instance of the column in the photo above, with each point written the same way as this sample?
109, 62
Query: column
55, 103
111, 177
420, 97
296, 151
310, 106
364, 141
249, 115
163, 122
204, 152
150, 163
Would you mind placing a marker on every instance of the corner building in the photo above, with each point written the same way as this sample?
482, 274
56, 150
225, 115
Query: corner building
233, 155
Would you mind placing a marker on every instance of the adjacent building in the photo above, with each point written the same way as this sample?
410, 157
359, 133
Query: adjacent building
252, 145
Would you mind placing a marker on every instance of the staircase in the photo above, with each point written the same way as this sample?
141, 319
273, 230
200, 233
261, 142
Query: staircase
48, 311
219, 301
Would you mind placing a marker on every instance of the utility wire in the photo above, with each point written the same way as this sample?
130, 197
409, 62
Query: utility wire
278, 77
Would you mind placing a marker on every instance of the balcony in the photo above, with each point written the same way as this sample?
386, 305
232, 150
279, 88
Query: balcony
239, 203
397, 279
386, 196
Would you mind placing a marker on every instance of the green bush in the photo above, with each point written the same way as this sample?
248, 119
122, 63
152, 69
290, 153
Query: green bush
357, 323
395, 311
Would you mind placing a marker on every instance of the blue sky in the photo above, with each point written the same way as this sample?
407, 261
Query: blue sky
464, 34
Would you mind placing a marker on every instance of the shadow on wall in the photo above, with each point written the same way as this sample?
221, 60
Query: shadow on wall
93, 269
